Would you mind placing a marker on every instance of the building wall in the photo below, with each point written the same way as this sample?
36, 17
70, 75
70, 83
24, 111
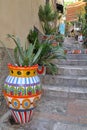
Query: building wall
18, 17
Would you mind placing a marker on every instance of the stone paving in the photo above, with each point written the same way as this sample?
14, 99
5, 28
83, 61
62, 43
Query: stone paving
57, 110
61, 113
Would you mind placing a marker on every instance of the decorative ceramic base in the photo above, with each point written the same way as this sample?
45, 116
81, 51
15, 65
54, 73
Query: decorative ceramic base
22, 116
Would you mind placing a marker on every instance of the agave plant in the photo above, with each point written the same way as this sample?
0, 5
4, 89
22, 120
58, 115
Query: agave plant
42, 54
23, 57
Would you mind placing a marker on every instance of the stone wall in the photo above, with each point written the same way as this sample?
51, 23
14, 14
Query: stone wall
4, 60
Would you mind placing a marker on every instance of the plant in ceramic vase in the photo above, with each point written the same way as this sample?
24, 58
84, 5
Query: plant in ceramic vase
22, 87
48, 54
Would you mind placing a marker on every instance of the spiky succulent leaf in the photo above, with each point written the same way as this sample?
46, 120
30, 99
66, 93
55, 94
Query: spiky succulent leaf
18, 44
16, 56
30, 50
20, 61
37, 55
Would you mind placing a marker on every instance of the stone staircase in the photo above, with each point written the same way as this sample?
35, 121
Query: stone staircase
75, 60
71, 80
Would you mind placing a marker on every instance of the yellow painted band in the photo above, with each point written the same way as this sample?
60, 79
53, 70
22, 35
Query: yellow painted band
19, 71
23, 73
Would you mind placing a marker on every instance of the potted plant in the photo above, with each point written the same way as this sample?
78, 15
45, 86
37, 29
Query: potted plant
48, 53
22, 87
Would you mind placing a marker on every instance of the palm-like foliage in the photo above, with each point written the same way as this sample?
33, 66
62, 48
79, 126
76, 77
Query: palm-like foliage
46, 15
32, 36
48, 52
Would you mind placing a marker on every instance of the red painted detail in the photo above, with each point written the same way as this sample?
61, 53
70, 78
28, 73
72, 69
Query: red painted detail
41, 71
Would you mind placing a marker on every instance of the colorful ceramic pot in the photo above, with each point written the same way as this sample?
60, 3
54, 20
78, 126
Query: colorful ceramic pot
22, 91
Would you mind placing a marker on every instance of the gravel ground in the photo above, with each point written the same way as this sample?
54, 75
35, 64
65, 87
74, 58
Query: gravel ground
3, 107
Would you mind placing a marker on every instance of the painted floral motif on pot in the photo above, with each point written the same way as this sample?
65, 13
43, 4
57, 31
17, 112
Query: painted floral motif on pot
22, 91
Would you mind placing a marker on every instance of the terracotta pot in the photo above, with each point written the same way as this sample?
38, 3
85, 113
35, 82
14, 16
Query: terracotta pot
76, 51
20, 92
65, 51
44, 37
54, 44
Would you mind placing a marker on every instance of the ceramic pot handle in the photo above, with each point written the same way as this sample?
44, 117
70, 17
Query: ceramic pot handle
41, 70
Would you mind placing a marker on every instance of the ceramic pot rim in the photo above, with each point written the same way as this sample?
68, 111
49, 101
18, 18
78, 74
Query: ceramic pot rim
13, 67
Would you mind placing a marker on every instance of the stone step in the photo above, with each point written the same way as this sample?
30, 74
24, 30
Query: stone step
76, 56
65, 91
72, 70
74, 47
72, 62
60, 80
